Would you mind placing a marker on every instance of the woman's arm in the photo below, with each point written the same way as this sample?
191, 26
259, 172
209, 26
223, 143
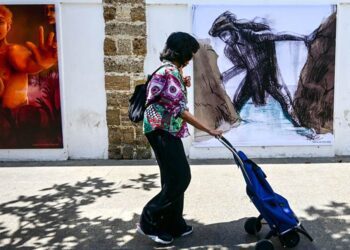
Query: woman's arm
188, 117
266, 35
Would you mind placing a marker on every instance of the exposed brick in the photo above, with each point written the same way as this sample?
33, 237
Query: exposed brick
110, 48
117, 82
124, 47
128, 152
128, 135
125, 121
109, 13
143, 153
119, 66
124, 1
124, 65
115, 153
138, 14
110, 64
118, 100
123, 13
137, 66
115, 136
124, 118
113, 117
141, 138
130, 29
139, 46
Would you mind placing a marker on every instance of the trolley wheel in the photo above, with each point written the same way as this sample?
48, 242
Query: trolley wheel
252, 225
290, 239
264, 245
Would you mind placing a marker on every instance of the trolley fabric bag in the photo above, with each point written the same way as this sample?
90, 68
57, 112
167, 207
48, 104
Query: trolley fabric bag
137, 102
273, 208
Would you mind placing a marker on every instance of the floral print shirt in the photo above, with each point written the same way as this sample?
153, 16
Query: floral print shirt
166, 101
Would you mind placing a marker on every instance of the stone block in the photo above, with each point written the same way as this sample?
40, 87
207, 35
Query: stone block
128, 135
143, 153
113, 117
114, 153
118, 100
128, 152
129, 29
110, 64
110, 47
124, 118
139, 46
117, 65
136, 65
126, 65
123, 13
138, 14
117, 82
109, 13
124, 47
116, 2
115, 136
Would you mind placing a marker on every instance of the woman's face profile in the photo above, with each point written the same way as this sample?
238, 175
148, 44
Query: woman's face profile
4, 27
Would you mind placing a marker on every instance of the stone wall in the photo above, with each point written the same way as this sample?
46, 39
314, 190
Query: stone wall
125, 50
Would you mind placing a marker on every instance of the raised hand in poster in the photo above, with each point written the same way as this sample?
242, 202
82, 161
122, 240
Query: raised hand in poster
17, 61
45, 55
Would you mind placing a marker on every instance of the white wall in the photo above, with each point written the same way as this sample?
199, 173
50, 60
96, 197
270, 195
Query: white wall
80, 33
166, 16
342, 83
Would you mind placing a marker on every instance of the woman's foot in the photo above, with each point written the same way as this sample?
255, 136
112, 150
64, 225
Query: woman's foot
187, 230
159, 237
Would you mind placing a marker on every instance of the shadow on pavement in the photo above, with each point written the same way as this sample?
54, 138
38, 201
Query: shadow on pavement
152, 162
51, 220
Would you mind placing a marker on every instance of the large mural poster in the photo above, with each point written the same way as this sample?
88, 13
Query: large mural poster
265, 74
30, 109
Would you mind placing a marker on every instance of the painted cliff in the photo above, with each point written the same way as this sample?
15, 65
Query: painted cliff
212, 105
314, 97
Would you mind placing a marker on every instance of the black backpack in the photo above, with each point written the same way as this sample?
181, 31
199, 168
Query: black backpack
137, 102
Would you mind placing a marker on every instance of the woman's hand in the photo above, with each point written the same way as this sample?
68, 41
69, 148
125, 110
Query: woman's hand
187, 80
216, 132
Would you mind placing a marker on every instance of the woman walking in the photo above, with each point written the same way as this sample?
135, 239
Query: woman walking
165, 123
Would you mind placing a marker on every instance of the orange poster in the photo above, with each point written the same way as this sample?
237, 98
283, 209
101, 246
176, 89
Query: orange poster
30, 109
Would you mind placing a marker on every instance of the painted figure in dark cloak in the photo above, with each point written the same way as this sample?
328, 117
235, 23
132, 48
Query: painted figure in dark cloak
250, 46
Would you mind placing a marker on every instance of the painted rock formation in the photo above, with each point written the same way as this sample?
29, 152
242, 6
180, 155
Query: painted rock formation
313, 100
212, 105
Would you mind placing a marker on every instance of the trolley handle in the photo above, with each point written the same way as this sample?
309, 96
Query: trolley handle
237, 159
226, 143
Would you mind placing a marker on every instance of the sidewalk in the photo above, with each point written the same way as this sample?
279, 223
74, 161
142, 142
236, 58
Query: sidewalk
96, 204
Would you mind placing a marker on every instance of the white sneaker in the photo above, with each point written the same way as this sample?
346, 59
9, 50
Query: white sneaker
161, 238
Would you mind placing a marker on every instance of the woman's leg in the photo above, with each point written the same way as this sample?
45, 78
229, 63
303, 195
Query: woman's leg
164, 211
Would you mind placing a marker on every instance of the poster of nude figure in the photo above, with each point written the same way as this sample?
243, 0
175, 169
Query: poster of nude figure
30, 107
265, 74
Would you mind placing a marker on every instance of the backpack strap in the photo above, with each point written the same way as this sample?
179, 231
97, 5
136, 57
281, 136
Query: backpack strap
149, 79
150, 76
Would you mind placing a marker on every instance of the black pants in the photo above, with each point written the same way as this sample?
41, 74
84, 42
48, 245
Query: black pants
164, 212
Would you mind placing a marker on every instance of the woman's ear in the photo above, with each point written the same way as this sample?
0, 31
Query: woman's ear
8, 27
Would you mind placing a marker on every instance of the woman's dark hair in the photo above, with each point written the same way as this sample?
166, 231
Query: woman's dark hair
179, 48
